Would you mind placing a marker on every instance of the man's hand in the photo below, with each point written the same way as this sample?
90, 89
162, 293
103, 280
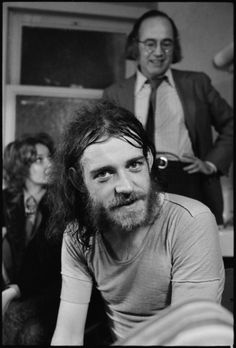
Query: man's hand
196, 165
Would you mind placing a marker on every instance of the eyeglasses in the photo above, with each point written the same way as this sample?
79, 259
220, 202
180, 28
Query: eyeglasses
150, 45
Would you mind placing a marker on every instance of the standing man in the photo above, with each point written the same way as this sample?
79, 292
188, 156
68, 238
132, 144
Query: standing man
141, 248
185, 109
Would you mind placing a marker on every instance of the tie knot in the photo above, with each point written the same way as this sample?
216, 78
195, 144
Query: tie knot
155, 82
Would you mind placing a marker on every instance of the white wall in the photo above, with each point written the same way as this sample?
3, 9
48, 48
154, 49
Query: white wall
205, 28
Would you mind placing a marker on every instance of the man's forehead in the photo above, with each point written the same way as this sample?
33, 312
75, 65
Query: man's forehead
159, 25
111, 150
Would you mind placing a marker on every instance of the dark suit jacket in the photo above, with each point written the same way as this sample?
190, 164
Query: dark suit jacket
203, 108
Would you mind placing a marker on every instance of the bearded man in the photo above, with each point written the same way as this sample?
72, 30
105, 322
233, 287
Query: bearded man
143, 249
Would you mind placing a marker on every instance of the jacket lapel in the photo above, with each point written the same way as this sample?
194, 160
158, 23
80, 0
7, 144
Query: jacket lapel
184, 86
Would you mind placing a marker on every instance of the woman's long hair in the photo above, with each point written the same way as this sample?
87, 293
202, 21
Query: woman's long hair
18, 157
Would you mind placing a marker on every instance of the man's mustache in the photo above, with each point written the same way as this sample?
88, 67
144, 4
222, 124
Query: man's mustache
124, 199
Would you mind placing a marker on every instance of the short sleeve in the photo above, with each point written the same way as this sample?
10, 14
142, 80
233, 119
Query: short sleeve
198, 269
76, 280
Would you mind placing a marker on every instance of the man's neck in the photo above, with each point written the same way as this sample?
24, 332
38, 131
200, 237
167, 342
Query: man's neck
154, 76
123, 245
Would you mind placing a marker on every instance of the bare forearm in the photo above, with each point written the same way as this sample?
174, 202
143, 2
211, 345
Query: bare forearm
61, 338
70, 325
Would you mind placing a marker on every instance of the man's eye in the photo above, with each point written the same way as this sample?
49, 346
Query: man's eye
150, 44
103, 176
167, 44
136, 166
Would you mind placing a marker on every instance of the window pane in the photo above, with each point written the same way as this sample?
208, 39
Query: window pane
44, 114
70, 58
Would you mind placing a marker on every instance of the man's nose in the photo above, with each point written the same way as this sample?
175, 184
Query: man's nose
123, 184
158, 50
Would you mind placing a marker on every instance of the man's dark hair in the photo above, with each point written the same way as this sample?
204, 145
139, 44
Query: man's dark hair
92, 123
131, 49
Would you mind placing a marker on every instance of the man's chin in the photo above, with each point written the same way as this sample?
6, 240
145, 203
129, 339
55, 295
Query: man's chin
127, 223
128, 217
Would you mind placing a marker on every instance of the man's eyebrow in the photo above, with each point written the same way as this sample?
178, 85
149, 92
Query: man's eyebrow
168, 39
134, 159
112, 168
95, 171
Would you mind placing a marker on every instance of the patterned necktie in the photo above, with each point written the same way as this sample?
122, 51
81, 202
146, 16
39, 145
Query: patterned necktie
150, 125
30, 210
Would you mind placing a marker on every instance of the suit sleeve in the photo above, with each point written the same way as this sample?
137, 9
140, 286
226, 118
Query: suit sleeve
110, 94
221, 154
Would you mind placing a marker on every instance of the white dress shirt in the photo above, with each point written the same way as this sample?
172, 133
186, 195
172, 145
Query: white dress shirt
171, 134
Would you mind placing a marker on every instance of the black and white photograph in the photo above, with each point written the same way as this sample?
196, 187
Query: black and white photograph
117, 173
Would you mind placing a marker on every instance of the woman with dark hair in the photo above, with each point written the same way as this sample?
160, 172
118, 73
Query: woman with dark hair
31, 263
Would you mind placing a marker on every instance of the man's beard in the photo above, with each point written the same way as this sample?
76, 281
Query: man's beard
119, 213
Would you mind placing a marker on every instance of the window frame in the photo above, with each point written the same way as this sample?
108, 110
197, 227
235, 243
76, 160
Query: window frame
82, 15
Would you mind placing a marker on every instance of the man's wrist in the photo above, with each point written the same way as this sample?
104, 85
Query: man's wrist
211, 166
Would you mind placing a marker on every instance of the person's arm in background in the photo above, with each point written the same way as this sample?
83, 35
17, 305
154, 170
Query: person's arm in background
220, 155
221, 112
5, 275
11, 293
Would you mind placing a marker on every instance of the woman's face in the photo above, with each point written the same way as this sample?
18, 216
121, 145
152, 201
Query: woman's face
38, 171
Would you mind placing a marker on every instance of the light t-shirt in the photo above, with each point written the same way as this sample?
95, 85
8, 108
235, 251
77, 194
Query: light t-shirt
179, 260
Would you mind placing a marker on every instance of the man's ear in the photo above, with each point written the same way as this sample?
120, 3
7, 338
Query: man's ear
150, 159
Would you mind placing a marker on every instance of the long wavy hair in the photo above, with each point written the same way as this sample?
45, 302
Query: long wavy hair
92, 123
131, 48
18, 157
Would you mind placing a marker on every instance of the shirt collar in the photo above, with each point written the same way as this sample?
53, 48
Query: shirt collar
170, 77
141, 79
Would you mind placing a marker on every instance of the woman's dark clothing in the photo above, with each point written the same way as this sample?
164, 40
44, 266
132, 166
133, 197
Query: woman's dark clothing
36, 270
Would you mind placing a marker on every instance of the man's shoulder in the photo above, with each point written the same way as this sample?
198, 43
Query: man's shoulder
189, 74
73, 235
122, 84
191, 206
